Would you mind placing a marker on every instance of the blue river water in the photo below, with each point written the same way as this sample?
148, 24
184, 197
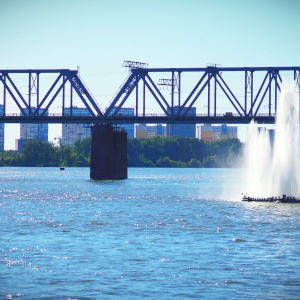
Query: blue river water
160, 234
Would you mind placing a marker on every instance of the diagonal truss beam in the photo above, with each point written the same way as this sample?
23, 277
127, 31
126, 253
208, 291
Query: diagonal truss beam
12, 94
23, 99
122, 95
47, 95
167, 109
83, 93
193, 92
272, 75
213, 83
222, 84
128, 87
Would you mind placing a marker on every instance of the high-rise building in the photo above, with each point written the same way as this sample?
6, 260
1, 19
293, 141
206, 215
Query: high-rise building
1, 129
214, 133
34, 131
29, 131
73, 132
186, 130
129, 128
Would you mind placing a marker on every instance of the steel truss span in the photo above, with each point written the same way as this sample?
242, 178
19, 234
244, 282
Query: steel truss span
220, 95
34, 92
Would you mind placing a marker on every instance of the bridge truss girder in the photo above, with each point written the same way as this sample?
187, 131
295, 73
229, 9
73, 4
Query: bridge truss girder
211, 80
57, 85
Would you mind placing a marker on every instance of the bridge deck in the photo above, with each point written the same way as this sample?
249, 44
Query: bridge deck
149, 119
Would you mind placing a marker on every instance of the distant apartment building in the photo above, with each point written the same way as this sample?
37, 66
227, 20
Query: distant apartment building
125, 111
73, 132
1, 129
215, 133
29, 131
185, 130
34, 131
149, 131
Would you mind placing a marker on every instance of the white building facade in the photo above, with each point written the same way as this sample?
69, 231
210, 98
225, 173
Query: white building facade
149, 131
215, 133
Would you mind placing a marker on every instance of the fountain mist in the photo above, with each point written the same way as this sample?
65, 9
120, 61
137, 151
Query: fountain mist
274, 169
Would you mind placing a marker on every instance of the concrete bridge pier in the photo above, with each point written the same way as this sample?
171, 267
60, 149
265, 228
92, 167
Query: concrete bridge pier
108, 153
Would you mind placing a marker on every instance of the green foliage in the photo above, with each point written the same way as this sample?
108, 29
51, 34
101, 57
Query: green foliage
43, 154
155, 152
210, 162
166, 162
37, 154
183, 152
9, 158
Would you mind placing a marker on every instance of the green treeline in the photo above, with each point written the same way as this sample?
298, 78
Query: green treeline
152, 152
43, 154
183, 152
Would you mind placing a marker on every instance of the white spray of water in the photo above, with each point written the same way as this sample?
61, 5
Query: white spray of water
274, 170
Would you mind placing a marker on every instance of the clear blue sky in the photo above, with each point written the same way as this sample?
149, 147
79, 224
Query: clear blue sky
99, 35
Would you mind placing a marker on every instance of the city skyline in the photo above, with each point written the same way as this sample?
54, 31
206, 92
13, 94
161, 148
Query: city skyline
72, 132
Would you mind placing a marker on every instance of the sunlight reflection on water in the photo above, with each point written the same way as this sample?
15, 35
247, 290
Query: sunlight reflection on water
162, 233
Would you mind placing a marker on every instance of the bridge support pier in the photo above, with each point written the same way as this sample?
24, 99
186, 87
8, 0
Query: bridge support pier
108, 153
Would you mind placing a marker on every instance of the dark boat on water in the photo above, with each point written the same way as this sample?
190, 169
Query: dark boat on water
283, 199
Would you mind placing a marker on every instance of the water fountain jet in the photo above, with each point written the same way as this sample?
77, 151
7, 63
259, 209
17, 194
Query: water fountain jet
273, 169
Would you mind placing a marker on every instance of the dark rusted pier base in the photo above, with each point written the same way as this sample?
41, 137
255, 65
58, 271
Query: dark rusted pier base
108, 153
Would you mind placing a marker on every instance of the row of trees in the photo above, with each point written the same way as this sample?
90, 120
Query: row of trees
183, 152
43, 154
154, 152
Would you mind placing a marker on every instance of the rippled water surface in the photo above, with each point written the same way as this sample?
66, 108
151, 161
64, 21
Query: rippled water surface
160, 234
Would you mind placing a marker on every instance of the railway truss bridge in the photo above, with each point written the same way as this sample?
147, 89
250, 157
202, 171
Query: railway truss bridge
221, 95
